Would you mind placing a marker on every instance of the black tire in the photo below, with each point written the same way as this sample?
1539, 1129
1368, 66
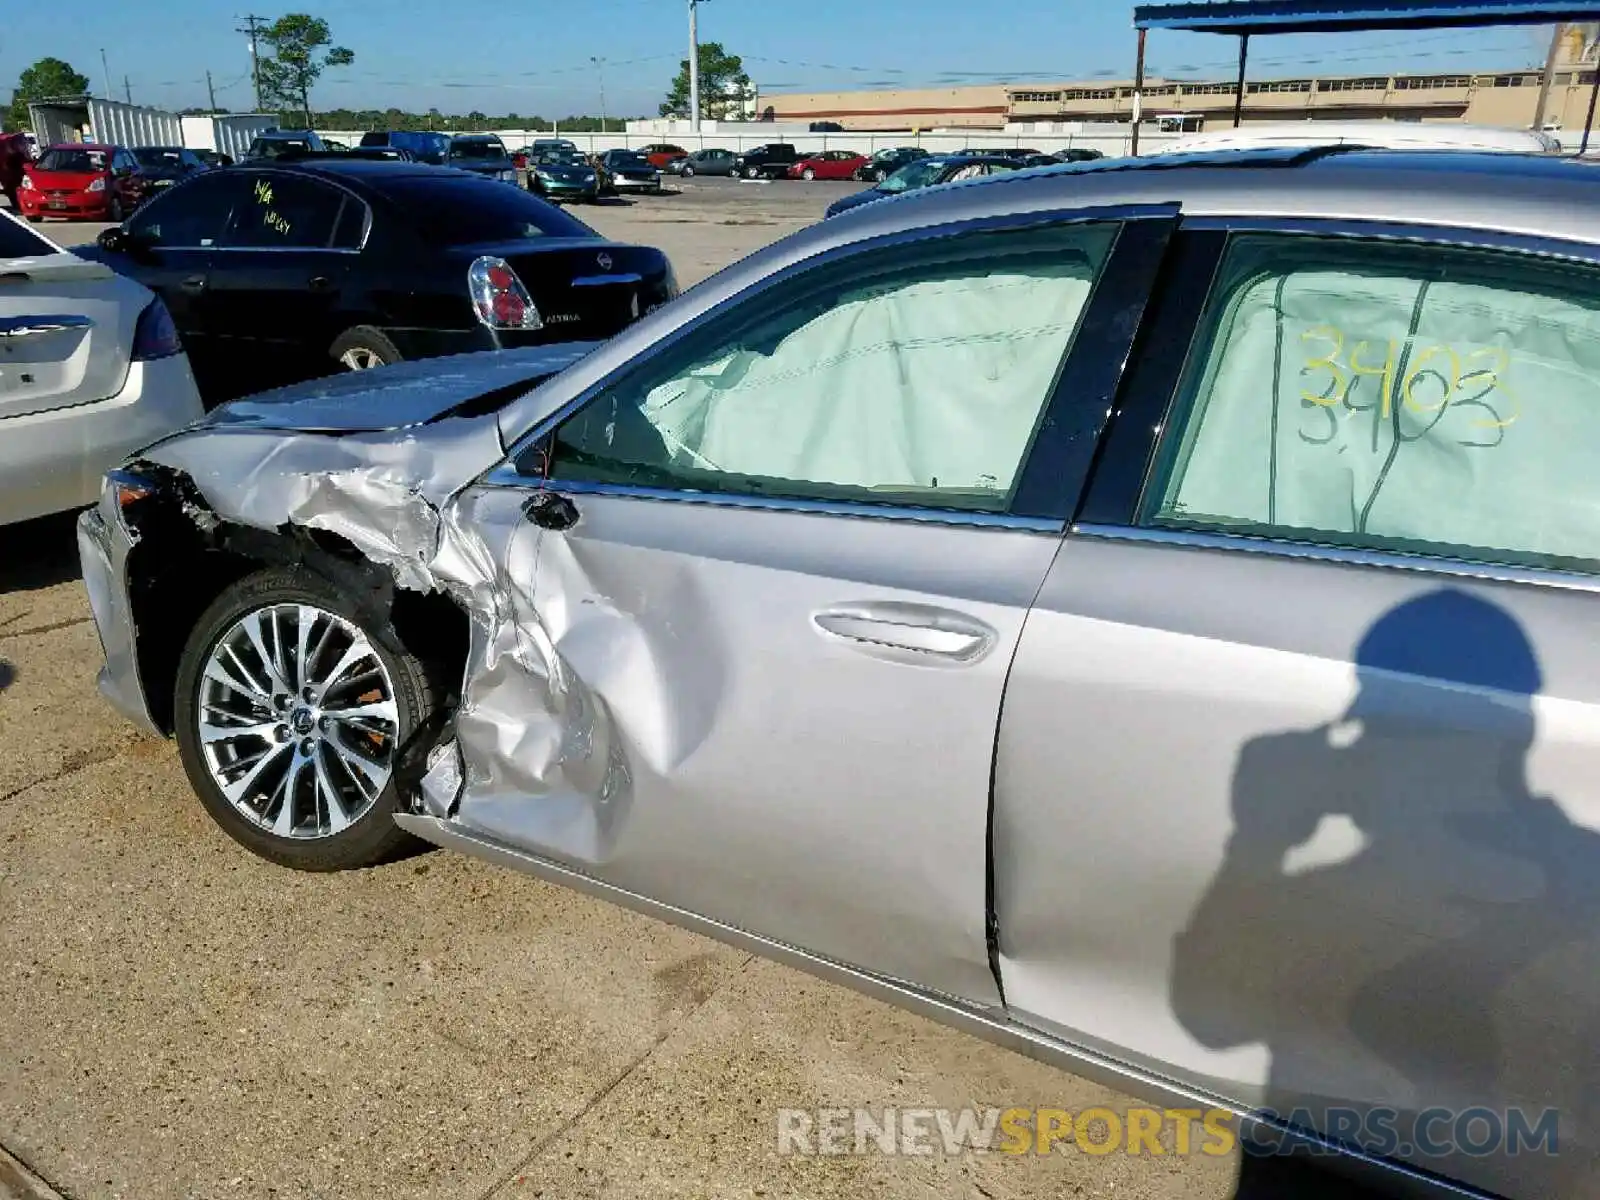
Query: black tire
364, 340
752, 172
117, 215
34, 218
879, 175
688, 172
808, 175
372, 838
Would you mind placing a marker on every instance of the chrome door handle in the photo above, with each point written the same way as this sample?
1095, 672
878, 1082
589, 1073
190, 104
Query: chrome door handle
914, 631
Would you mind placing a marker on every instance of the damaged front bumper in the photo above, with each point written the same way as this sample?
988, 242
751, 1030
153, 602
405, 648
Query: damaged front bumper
103, 549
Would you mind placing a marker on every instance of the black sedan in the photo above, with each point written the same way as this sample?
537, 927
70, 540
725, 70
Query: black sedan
926, 172
279, 273
482, 154
885, 163
162, 166
630, 171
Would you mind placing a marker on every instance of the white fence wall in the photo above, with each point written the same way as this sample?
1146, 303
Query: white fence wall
1109, 143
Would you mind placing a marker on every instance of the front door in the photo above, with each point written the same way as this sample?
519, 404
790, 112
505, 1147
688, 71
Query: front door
778, 633
1296, 789
170, 249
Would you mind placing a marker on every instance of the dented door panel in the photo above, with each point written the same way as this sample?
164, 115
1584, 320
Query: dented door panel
662, 709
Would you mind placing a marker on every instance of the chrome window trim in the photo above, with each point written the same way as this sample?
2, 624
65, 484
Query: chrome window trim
993, 224
1395, 560
603, 280
507, 476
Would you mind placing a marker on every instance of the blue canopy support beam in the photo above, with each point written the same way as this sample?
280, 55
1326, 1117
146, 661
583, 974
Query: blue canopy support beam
1243, 18
1343, 16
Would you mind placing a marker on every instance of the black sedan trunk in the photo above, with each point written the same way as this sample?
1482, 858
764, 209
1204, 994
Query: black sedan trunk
587, 289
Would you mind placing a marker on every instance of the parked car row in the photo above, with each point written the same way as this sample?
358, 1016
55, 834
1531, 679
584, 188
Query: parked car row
95, 181
782, 160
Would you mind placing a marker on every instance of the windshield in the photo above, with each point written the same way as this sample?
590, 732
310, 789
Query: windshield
628, 160
468, 211
477, 148
279, 147
158, 156
915, 175
561, 158
65, 158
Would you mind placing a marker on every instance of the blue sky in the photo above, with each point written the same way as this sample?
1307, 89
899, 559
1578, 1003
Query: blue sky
461, 57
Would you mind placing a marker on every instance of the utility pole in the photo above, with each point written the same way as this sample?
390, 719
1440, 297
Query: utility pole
1547, 77
694, 66
600, 66
252, 27
127, 90
104, 66
211, 92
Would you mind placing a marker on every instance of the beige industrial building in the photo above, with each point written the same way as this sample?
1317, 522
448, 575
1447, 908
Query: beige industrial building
1506, 98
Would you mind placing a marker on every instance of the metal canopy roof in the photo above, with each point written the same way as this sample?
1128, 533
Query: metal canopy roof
1334, 16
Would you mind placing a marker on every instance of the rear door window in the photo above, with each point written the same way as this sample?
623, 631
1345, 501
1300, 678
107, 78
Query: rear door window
283, 212
1385, 395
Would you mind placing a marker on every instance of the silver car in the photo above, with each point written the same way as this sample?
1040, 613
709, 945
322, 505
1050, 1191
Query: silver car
90, 369
1140, 612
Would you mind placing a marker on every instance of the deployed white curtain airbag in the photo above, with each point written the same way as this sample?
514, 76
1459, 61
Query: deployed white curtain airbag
1448, 413
920, 385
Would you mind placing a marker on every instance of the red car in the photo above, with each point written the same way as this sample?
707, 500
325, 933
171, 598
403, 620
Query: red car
81, 179
660, 154
830, 164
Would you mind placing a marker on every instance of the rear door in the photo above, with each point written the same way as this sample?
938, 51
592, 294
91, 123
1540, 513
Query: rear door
1298, 784
278, 277
807, 536
65, 326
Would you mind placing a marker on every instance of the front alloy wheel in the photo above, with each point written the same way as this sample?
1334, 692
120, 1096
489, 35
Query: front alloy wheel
297, 720
291, 708
360, 358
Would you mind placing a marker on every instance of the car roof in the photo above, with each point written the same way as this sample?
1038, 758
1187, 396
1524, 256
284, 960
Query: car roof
1528, 194
368, 173
81, 146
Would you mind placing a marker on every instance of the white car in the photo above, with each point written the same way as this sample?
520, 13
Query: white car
91, 369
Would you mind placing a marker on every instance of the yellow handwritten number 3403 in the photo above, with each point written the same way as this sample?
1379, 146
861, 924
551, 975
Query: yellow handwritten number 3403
1490, 377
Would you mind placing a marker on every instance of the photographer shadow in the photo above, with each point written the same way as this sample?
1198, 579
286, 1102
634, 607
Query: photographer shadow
1403, 922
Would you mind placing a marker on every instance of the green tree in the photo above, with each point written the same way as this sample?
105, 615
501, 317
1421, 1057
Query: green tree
718, 70
296, 61
47, 78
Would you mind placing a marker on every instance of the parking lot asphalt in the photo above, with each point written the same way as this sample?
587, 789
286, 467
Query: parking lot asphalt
185, 1020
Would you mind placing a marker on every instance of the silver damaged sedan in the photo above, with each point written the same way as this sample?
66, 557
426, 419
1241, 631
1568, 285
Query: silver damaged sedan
1140, 612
